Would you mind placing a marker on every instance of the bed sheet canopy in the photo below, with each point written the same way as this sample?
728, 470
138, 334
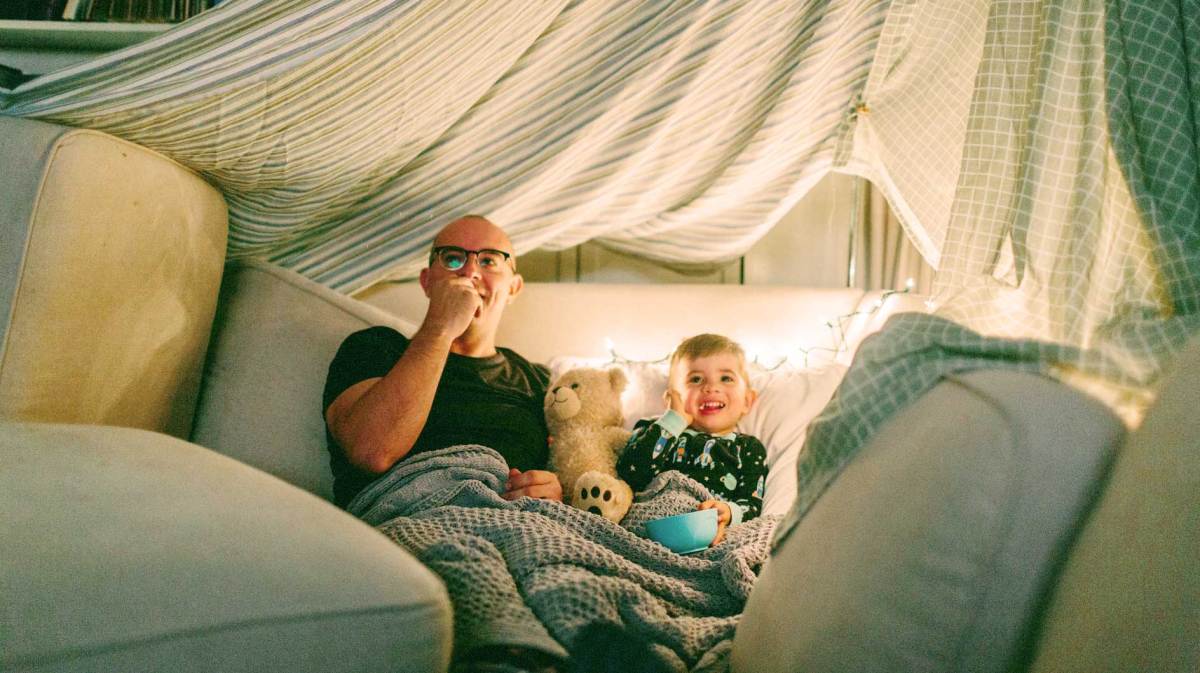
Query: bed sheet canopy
1041, 154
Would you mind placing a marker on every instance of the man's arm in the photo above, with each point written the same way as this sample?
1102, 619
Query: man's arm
377, 421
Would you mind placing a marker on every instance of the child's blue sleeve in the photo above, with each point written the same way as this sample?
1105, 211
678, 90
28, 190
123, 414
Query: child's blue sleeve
735, 512
672, 422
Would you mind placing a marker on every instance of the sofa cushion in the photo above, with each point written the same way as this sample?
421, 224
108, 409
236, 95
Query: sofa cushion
1129, 596
107, 288
273, 339
126, 550
932, 549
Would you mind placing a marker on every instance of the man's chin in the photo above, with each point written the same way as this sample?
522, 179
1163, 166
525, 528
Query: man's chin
481, 324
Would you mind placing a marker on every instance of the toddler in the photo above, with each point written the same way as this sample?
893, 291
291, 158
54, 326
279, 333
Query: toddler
708, 392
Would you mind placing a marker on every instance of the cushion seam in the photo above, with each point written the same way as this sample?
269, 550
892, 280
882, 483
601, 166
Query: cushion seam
52, 153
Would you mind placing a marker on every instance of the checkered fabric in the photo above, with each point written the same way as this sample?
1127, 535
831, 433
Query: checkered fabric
1042, 237
1152, 55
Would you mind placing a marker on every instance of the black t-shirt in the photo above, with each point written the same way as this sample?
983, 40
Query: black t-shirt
495, 401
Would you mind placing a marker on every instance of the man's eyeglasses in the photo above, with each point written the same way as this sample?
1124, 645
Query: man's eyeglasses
453, 258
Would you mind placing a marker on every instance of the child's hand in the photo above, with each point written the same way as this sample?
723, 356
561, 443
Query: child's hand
674, 399
723, 518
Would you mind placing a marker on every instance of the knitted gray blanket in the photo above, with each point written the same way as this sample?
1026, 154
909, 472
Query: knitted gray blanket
535, 573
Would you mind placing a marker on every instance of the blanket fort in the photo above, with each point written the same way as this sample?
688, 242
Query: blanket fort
536, 573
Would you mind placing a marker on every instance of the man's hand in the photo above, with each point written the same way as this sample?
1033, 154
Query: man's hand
724, 515
453, 303
532, 483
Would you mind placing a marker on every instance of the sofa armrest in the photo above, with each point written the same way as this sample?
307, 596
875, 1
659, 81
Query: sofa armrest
133, 551
936, 546
110, 260
1129, 595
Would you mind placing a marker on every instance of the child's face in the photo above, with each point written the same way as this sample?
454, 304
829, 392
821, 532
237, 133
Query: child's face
714, 391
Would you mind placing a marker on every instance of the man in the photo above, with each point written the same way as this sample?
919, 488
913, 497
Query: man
388, 397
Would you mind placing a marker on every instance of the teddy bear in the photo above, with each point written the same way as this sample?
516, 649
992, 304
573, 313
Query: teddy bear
583, 414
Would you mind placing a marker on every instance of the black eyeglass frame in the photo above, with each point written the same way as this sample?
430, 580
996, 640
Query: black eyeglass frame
435, 255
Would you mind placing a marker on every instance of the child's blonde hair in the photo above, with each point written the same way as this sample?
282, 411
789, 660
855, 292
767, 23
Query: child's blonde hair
703, 345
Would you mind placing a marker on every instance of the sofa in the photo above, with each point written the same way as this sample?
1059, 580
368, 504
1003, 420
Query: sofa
164, 488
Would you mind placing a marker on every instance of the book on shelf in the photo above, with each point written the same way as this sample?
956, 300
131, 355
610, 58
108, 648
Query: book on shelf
32, 10
11, 78
125, 11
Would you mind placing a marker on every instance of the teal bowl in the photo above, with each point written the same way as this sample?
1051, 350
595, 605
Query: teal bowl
684, 533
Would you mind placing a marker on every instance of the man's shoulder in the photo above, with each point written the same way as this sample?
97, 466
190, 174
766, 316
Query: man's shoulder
367, 353
375, 335
380, 332
372, 347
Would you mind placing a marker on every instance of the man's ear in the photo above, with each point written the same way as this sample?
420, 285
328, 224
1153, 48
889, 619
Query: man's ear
424, 280
515, 287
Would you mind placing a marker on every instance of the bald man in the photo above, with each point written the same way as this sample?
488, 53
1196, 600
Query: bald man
388, 397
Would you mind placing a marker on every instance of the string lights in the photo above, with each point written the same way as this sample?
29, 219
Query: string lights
836, 326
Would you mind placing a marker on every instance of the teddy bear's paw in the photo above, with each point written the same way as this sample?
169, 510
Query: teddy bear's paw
602, 494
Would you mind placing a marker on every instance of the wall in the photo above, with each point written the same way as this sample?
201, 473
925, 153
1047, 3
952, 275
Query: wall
41, 47
808, 248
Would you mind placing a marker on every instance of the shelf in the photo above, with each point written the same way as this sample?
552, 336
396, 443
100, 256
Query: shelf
75, 35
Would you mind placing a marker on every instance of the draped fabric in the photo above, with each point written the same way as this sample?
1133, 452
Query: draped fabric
1153, 63
1042, 155
986, 125
346, 132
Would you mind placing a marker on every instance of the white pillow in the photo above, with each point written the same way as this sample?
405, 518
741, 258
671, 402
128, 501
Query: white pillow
788, 399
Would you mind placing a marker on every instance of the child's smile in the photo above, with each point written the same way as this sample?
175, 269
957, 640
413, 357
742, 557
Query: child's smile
715, 392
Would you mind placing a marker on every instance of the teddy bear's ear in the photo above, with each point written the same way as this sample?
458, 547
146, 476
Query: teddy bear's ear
565, 378
616, 378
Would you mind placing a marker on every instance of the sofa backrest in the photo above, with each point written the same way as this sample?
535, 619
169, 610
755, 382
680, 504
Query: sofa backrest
276, 332
273, 339
110, 260
646, 322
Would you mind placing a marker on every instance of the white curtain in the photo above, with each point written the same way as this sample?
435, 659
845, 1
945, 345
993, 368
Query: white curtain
883, 255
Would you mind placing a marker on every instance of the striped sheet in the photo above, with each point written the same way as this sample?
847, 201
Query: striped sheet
345, 133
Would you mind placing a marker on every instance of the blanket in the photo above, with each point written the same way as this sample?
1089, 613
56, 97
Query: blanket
539, 574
